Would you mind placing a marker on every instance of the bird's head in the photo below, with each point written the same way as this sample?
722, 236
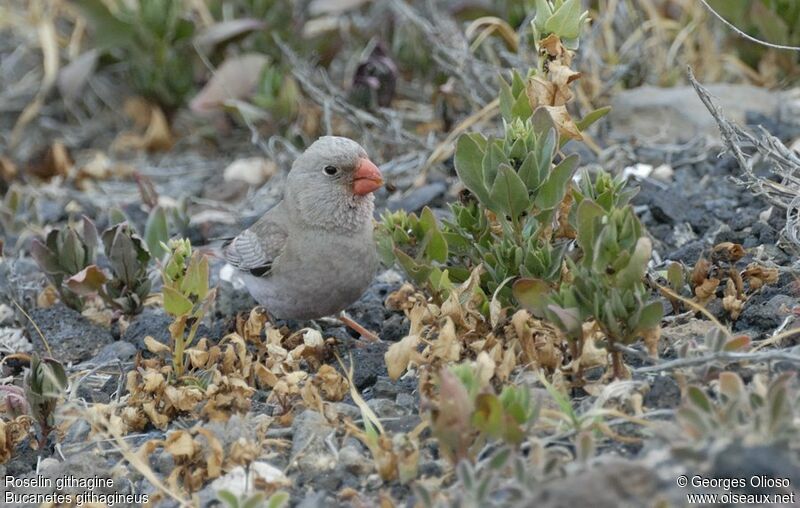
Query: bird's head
332, 178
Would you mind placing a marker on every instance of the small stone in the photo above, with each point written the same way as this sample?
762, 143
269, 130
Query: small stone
237, 481
252, 170
406, 401
355, 462
385, 408
309, 431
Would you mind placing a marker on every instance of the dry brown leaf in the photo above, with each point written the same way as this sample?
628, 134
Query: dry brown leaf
157, 135
552, 46
47, 297
235, 79
757, 275
331, 384
155, 346
591, 355
700, 272
727, 251
13, 433
400, 354
731, 301
179, 444
153, 381
706, 290
651, 338
101, 167
8, 170
54, 161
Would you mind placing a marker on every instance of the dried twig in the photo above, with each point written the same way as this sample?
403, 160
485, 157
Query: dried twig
745, 35
784, 163
722, 357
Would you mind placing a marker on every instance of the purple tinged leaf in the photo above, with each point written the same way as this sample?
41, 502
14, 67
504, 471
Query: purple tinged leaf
87, 281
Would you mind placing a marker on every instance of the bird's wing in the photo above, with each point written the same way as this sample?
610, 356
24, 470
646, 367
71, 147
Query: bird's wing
256, 248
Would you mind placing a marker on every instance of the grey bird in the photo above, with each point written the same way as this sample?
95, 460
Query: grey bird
313, 253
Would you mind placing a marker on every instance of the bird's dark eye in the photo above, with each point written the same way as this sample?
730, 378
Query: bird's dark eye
330, 170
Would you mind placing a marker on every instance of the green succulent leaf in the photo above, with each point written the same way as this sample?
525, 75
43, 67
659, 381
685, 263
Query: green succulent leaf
469, 164
552, 192
699, 398
195, 282
532, 295
419, 273
566, 21
650, 316
592, 117
175, 303
509, 194
637, 264
156, 232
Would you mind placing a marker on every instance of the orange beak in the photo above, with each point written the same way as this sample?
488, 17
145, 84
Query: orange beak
367, 178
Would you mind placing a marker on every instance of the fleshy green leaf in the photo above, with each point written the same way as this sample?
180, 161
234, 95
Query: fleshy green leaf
175, 303
468, 163
566, 20
509, 194
555, 187
592, 117
637, 264
532, 295
156, 232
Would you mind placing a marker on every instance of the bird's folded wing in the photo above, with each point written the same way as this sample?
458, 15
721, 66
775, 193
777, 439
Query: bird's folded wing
255, 249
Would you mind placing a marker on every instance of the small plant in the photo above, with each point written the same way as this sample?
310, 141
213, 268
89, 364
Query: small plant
606, 283
153, 37
258, 500
64, 254
277, 92
68, 259
758, 413
508, 220
186, 296
44, 384
513, 218
395, 456
469, 413
129, 258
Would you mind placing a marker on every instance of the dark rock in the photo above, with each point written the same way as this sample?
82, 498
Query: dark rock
395, 327
765, 315
309, 450
770, 461
368, 360
72, 337
664, 393
116, 351
418, 197
153, 322
230, 301
385, 388
368, 310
